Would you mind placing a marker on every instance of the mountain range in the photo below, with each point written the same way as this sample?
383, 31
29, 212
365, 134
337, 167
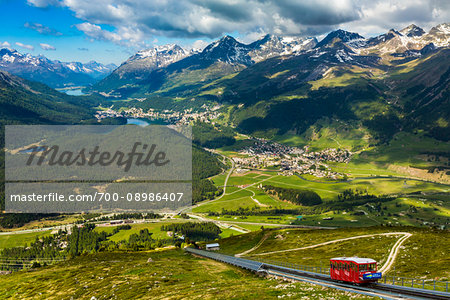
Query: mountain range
54, 73
221, 57
276, 86
166, 69
289, 86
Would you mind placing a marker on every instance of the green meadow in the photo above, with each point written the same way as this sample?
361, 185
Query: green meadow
22, 239
171, 274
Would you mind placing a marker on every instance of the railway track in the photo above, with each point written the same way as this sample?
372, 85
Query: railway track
385, 291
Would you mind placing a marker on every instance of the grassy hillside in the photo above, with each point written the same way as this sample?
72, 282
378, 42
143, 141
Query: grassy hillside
425, 246
171, 275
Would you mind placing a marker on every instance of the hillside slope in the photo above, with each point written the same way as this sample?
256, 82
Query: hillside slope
26, 102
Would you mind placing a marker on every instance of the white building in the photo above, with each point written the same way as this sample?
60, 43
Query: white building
213, 247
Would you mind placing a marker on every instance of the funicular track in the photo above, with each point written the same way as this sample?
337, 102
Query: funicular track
385, 291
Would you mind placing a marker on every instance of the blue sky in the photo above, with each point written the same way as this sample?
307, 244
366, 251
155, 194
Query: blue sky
59, 31
70, 43
112, 30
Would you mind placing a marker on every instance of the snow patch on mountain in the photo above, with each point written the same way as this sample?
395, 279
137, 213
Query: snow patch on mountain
150, 59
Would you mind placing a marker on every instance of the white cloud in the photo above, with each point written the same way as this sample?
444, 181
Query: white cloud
199, 44
47, 47
42, 29
43, 3
133, 22
251, 36
378, 16
5, 44
140, 20
124, 36
96, 32
29, 47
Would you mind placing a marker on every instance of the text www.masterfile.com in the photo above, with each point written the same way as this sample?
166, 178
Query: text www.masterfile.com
97, 196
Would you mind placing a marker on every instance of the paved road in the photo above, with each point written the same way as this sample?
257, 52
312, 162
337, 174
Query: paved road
228, 175
185, 209
35, 230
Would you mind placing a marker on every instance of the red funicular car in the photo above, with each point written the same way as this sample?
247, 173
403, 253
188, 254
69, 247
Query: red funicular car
354, 269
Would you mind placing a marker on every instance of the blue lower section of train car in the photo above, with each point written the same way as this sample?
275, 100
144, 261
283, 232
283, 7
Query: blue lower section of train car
372, 276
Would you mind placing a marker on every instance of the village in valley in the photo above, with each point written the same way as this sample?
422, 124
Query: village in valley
290, 160
263, 154
206, 114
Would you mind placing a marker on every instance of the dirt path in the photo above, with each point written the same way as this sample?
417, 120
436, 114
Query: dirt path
228, 175
221, 224
256, 200
255, 247
405, 234
394, 252
253, 184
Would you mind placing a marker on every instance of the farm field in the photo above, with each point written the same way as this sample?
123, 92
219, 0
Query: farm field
19, 240
244, 220
329, 189
418, 203
154, 228
172, 274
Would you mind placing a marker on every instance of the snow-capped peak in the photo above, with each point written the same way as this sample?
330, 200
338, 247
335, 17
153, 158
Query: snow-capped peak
444, 28
272, 45
412, 31
168, 49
